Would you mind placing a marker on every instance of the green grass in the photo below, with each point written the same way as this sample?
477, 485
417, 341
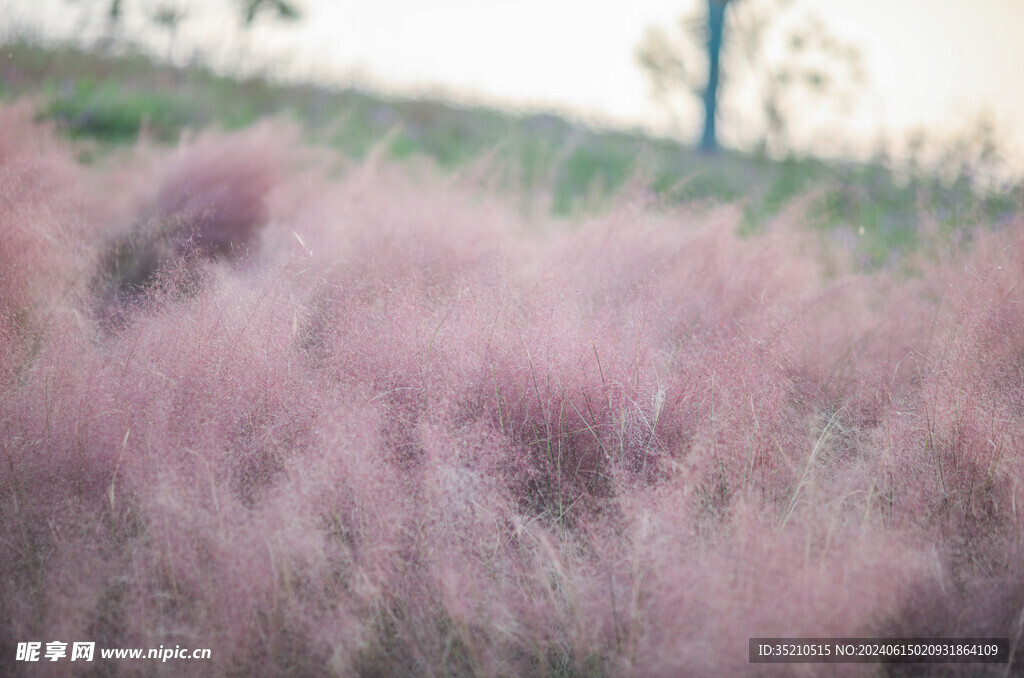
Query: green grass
109, 98
116, 115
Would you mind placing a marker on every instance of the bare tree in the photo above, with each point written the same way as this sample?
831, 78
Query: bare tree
814, 62
716, 35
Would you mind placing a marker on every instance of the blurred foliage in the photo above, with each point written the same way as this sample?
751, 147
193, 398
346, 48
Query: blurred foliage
170, 14
549, 160
110, 113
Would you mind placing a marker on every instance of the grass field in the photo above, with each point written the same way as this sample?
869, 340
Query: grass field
547, 162
394, 388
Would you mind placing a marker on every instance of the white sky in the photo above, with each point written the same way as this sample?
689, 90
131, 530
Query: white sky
935, 65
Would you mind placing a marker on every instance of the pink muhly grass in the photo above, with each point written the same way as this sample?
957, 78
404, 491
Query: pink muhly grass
408, 433
43, 250
218, 186
211, 202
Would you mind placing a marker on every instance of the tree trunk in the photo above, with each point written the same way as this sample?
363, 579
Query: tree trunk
716, 27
